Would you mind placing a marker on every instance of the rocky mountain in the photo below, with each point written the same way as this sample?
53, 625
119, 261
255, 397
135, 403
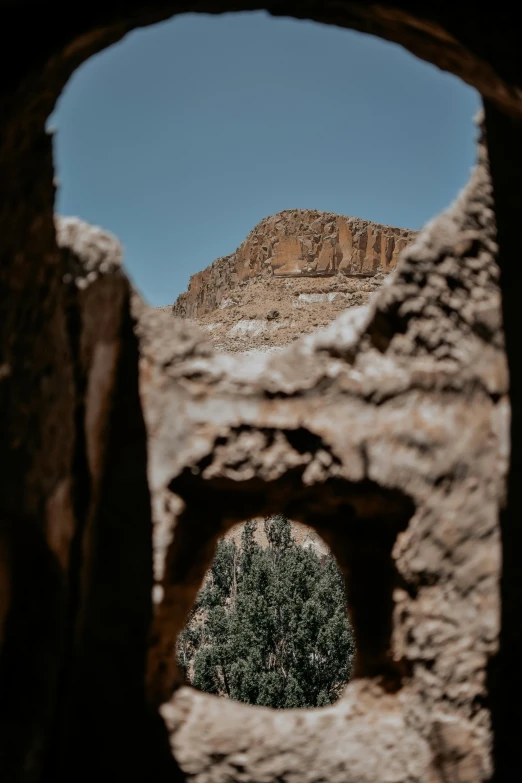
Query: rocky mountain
296, 243
295, 272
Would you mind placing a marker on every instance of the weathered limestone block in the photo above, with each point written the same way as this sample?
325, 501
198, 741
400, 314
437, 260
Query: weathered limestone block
387, 433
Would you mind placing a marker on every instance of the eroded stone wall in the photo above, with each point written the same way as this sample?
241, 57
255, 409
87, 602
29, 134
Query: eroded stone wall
387, 432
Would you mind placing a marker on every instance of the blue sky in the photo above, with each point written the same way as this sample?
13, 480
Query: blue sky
183, 136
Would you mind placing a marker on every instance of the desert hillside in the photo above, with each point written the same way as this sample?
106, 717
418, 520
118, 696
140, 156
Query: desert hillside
294, 273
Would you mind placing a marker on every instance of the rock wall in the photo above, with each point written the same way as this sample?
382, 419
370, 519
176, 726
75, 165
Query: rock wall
386, 432
408, 403
296, 243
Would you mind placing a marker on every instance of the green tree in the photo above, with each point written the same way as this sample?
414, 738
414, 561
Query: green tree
269, 626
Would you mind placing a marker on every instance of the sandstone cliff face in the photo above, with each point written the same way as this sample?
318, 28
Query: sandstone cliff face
296, 243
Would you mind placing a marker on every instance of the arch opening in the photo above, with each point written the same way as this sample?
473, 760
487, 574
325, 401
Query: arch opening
269, 626
358, 524
182, 169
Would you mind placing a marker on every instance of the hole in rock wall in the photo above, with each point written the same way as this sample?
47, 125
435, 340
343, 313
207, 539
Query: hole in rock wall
184, 136
270, 626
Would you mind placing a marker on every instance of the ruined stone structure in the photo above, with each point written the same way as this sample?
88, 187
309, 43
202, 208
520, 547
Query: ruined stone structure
128, 446
296, 243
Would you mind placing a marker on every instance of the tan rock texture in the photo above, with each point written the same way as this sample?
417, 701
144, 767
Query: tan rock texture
269, 313
295, 243
391, 432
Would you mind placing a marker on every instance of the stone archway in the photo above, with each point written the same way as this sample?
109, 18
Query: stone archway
75, 522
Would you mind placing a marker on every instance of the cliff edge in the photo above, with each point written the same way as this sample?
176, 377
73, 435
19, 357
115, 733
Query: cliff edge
294, 273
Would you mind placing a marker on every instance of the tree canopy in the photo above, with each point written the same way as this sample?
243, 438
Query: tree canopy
269, 626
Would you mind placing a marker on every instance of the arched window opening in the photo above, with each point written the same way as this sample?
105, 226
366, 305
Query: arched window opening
270, 626
181, 138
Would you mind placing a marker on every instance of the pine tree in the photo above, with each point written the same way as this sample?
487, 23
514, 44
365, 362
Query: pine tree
269, 626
